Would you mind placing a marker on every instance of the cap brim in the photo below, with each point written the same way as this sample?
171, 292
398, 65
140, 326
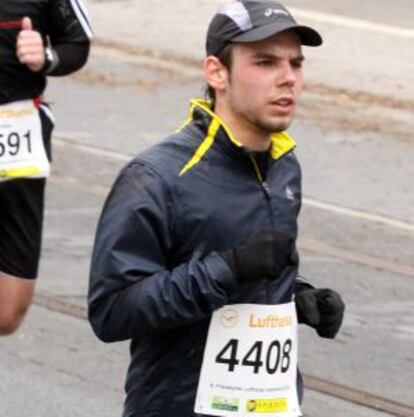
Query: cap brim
308, 36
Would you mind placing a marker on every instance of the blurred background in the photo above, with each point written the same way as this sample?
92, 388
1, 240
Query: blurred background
355, 134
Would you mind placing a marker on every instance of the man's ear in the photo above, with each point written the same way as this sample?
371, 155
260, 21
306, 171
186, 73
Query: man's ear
216, 73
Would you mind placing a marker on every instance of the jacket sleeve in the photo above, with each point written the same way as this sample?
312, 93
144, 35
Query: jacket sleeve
69, 32
133, 291
68, 22
301, 282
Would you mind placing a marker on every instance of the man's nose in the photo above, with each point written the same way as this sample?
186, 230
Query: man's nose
287, 75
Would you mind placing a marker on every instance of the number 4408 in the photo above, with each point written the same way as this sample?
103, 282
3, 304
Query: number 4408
275, 357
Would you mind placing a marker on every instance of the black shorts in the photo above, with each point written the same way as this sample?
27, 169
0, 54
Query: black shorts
21, 218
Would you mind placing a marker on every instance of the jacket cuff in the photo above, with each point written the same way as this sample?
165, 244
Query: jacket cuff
302, 283
221, 273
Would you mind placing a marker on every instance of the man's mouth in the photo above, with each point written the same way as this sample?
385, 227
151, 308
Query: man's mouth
283, 104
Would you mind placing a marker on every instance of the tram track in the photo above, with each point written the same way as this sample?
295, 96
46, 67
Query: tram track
323, 386
390, 115
190, 68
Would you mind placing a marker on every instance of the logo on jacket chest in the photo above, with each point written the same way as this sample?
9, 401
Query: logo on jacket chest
290, 195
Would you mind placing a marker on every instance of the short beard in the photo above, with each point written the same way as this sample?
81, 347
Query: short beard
273, 127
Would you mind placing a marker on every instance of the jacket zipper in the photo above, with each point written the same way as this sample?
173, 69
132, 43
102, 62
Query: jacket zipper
265, 188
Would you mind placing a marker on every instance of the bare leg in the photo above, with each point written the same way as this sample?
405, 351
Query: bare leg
15, 298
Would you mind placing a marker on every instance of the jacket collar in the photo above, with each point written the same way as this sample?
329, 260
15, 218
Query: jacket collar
200, 110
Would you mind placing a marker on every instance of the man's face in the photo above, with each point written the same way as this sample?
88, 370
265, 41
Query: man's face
264, 83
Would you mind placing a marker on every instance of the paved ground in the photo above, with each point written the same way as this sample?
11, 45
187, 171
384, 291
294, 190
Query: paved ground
355, 141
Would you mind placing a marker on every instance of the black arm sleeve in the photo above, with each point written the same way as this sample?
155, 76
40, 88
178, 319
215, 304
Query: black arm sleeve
69, 33
70, 58
68, 22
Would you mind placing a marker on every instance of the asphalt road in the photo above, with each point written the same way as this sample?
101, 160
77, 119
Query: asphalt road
354, 132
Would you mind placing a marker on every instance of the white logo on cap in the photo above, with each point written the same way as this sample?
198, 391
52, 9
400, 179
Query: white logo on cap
268, 12
238, 13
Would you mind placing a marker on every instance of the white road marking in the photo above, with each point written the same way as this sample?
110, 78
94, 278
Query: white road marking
373, 217
347, 22
93, 150
353, 23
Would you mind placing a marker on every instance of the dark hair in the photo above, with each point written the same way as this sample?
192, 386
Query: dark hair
225, 56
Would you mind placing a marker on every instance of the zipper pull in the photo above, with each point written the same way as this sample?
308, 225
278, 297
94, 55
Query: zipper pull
265, 189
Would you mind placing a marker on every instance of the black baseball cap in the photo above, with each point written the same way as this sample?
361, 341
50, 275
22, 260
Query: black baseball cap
250, 21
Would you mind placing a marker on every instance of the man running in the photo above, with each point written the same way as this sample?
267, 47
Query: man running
37, 39
197, 238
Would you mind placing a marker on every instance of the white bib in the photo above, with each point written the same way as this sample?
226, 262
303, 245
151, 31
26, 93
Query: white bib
250, 362
22, 152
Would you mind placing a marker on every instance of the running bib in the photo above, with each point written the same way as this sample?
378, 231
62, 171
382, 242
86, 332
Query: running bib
250, 362
22, 152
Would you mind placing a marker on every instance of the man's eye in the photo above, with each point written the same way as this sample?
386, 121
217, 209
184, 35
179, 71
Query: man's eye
264, 63
297, 64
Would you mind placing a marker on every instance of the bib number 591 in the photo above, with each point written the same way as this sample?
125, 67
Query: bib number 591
271, 358
12, 143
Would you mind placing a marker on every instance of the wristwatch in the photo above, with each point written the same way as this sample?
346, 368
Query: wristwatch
51, 60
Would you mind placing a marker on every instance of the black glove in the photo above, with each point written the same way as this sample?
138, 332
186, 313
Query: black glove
323, 309
264, 255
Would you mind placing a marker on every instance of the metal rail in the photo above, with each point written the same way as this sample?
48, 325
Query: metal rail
358, 397
323, 386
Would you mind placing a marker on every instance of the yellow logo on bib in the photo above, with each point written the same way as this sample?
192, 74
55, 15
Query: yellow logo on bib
271, 405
